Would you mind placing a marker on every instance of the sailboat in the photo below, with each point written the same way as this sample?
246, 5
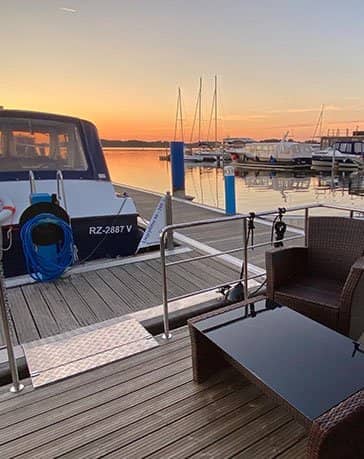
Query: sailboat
206, 152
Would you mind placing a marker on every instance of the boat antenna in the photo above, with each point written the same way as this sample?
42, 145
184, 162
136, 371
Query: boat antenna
179, 117
197, 109
318, 127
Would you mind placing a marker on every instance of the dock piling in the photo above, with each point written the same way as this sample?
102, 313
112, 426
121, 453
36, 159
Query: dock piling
178, 169
229, 179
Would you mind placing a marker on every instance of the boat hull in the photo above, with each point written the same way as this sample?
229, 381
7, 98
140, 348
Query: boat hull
319, 162
297, 163
96, 237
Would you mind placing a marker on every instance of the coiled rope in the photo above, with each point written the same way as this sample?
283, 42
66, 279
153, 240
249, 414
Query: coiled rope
39, 267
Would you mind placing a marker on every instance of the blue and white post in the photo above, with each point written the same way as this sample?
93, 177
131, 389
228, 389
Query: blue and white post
229, 178
178, 169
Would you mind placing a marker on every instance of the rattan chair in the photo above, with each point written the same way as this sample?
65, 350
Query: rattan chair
325, 280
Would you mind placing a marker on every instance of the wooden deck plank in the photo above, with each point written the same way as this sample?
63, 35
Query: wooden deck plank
106, 401
146, 406
153, 279
101, 437
23, 321
297, 451
42, 315
151, 444
120, 289
139, 361
114, 301
135, 285
94, 301
74, 300
60, 309
246, 435
276, 442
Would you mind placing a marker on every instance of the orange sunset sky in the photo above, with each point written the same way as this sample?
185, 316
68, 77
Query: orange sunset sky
119, 63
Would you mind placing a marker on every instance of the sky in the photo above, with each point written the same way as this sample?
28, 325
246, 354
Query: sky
119, 63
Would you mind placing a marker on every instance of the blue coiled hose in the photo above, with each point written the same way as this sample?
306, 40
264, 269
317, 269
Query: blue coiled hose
41, 268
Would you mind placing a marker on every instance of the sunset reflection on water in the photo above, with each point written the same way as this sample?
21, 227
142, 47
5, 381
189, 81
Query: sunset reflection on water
255, 190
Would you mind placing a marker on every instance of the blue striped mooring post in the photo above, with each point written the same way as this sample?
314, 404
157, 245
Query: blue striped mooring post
229, 178
178, 169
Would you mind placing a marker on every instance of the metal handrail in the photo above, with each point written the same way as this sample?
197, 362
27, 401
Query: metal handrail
227, 252
244, 217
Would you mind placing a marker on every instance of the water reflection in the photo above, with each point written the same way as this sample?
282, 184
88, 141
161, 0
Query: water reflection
255, 190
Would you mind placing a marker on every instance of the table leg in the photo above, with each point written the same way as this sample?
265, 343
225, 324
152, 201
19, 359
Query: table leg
206, 358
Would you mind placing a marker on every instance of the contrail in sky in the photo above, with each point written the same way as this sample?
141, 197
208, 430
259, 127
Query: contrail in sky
68, 10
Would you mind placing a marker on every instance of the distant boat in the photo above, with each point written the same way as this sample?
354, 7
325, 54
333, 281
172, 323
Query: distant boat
206, 151
274, 155
344, 155
235, 145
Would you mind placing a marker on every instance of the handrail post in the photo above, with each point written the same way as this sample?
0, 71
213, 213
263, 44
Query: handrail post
169, 220
167, 334
351, 214
306, 226
245, 271
16, 385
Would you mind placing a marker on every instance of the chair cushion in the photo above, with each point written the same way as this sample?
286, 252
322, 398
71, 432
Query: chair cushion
316, 297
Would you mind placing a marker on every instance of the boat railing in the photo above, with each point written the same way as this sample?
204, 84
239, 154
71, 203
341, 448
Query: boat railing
245, 248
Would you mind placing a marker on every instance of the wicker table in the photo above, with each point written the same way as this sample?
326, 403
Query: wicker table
317, 373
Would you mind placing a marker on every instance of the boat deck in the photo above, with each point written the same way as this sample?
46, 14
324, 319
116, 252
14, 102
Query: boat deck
78, 300
147, 406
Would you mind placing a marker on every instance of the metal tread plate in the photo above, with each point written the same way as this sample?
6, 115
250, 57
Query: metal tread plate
66, 357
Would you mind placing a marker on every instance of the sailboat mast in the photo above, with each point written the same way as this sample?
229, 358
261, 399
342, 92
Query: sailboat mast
180, 110
215, 110
178, 116
199, 111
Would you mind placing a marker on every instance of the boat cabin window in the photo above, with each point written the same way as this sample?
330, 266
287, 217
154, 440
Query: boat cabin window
358, 148
40, 144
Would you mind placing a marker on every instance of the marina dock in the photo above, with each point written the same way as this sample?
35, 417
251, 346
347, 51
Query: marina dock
90, 297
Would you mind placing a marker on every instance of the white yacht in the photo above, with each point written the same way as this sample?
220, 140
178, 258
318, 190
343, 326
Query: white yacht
344, 155
274, 155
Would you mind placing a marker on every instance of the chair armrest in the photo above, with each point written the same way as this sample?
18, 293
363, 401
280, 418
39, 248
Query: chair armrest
282, 265
351, 314
339, 433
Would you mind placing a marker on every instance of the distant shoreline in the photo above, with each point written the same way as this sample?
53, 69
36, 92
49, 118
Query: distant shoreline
134, 144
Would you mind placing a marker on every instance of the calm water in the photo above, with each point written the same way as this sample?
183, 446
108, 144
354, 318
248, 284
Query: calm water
254, 190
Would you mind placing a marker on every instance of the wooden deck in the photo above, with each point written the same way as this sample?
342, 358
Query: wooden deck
43, 310
147, 406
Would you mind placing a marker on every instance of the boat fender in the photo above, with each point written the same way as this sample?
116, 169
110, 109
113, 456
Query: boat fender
7, 210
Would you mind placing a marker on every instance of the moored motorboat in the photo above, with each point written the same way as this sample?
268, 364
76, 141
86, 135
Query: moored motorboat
54, 164
346, 155
274, 155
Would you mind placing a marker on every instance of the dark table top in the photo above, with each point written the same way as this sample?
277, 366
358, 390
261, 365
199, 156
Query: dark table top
310, 366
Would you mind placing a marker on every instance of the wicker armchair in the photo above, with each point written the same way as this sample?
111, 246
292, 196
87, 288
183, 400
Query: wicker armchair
325, 280
339, 433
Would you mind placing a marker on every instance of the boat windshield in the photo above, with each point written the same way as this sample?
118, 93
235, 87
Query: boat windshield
40, 144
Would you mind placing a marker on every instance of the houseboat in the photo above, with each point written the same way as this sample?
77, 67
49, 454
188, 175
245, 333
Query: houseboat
274, 155
52, 166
